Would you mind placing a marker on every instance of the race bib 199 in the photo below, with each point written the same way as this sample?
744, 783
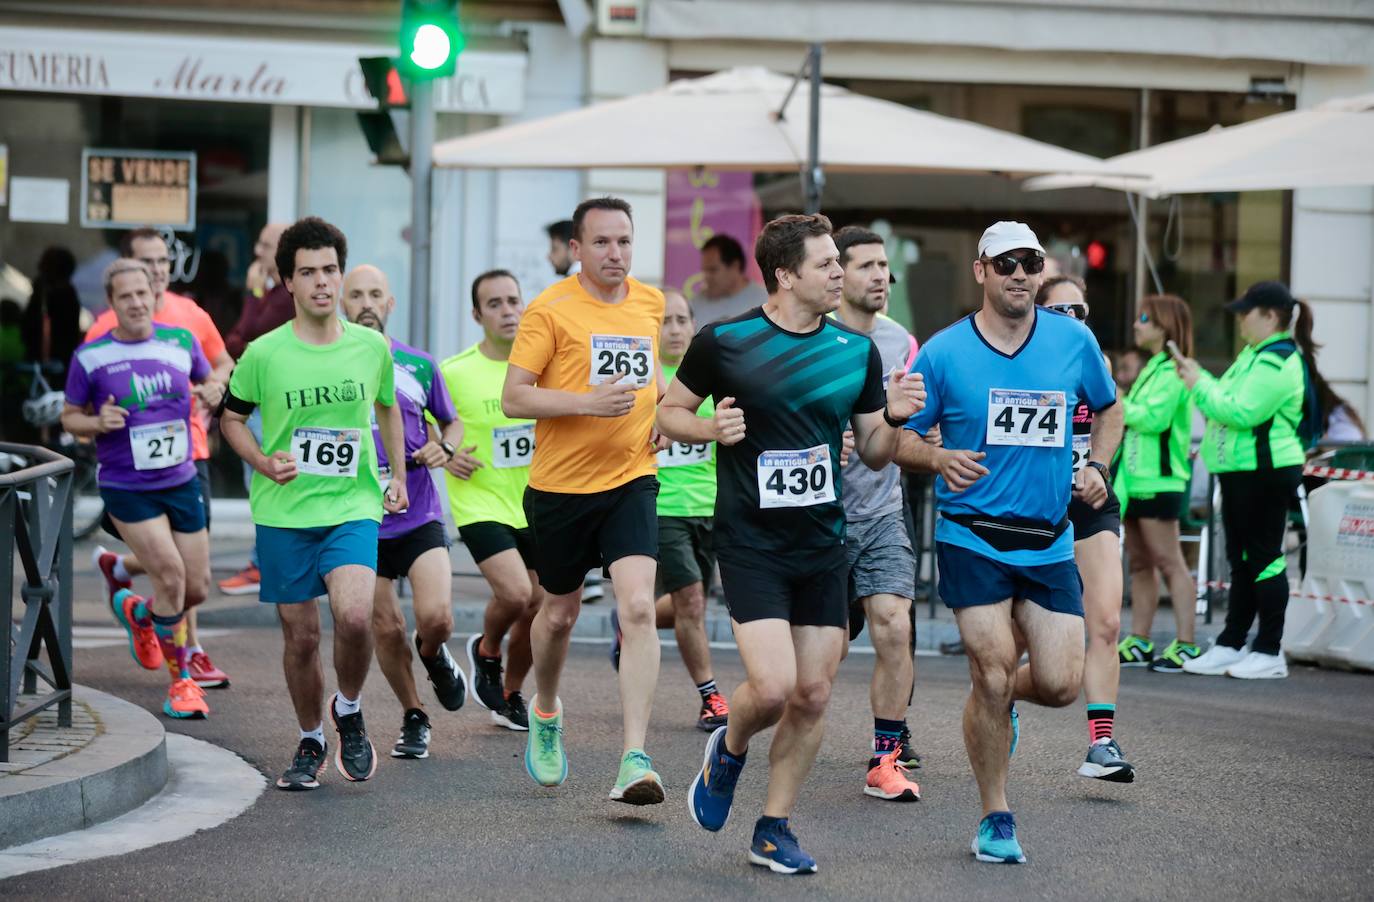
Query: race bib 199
1036, 419
327, 452
157, 446
795, 478
512, 446
1082, 450
613, 355
682, 454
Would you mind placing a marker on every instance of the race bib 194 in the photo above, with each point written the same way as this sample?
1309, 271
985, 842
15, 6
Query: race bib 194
512, 446
682, 454
157, 446
327, 452
1036, 419
795, 478
616, 354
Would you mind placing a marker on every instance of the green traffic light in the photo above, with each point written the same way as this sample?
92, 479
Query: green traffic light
431, 38
431, 47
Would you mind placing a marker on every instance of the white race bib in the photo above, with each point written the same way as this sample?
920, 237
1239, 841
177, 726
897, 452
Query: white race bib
327, 452
512, 446
1035, 419
1082, 449
796, 478
681, 454
157, 446
613, 354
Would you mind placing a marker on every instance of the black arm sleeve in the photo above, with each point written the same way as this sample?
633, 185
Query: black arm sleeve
236, 404
698, 369
874, 394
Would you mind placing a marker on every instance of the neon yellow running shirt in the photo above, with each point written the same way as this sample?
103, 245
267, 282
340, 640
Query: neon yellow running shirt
495, 492
687, 473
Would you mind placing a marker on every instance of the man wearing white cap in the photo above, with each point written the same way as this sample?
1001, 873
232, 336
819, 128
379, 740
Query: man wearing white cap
1002, 384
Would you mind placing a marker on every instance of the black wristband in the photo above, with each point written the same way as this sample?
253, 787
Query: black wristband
887, 417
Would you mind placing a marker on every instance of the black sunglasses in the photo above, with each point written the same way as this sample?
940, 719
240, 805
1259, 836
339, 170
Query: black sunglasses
1077, 311
1005, 264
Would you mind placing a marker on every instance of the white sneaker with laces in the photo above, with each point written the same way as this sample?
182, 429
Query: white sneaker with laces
1257, 666
1215, 661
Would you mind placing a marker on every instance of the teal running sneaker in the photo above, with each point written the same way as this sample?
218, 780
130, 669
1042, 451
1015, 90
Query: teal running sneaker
996, 840
1171, 659
545, 760
637, 783
1135, 651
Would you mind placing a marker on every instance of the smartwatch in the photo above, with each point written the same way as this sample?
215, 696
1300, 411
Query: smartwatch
448, 449
1102, 468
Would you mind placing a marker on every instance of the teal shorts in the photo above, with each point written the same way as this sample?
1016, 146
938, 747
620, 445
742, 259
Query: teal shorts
294, 562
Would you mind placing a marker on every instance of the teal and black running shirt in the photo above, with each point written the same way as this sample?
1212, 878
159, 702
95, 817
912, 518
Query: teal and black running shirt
779, 488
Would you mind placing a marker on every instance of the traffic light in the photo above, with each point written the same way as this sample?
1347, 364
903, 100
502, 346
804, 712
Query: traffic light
383, 82
431, 38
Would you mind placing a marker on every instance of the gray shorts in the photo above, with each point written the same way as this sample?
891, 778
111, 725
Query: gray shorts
880, 558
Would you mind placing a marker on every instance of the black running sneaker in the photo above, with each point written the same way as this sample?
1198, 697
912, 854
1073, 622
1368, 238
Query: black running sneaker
304, 773
486, 676
449, 681
512, 714
414, 739
355, 757
907, 757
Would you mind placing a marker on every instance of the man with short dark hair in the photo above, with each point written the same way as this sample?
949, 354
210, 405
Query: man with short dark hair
726, 290
560, 250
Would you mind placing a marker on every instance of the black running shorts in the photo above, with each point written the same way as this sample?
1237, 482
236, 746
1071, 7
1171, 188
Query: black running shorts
804, 586
576, 533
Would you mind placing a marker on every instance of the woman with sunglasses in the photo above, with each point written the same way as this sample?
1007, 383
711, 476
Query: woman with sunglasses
1097, 552
1154, 475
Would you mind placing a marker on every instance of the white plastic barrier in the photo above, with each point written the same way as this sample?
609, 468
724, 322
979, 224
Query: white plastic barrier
1330, 618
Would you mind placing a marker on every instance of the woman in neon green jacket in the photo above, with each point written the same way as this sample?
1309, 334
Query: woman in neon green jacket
1254, 413
1154, 476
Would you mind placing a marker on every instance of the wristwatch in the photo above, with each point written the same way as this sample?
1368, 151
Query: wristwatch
448, 449
1102, 468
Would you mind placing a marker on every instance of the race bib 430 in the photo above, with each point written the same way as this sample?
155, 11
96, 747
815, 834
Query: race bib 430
616, 354
796, 478
1036, 419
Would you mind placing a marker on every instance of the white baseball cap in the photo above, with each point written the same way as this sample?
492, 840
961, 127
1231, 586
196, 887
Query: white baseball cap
1004, 236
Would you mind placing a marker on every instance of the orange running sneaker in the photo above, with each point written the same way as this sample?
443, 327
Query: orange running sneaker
888, 780
245, 582
715, 712
206, 674
143, 644
185, 699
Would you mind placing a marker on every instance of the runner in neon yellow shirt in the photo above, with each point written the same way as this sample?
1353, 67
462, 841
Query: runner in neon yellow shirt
486, 486
316, 499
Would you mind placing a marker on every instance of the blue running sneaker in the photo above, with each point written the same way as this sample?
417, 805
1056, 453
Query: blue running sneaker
1015, 730
713, 790
996, 840
775, 848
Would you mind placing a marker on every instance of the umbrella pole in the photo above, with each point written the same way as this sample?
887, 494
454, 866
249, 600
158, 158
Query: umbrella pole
815, 178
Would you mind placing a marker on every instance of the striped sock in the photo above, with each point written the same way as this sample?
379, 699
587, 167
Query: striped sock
887, 735
706, 689
1100, 720
173, 629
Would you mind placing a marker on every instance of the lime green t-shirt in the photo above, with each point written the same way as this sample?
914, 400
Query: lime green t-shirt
316, 403
495, 492
687, 473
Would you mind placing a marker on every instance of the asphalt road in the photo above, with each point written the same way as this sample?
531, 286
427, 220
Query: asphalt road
1246, 791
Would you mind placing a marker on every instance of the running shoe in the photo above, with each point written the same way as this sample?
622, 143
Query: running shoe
637, 783
713, 791
304, 773
715, 712
486, 677
449, 681
246, 582
1015, 730
616, 639
105, 561
1105, 762
996, 840
1133, 651
414, 739
775, 847
143, 644
185, 700
545, 761
513, 715
908, 757
355, 758
888, 780
206, 674
1258, 666
1215, 661
1171, 659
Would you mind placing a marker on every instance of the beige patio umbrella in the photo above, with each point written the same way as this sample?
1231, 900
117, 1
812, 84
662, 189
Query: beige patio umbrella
1322, 147
729, 121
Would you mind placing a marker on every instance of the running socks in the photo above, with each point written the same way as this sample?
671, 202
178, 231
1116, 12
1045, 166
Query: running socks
1100, 719
316, 734
887, 735
706, 689
119, 572
346, 706
173, 630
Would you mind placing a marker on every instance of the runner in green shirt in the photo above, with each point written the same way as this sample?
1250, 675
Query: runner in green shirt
486, 485
316, 498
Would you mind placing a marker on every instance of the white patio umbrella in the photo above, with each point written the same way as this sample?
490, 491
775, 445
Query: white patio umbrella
1322, 147
729, 121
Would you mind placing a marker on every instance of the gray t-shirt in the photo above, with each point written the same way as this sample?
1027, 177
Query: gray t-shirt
712, 310
875, 493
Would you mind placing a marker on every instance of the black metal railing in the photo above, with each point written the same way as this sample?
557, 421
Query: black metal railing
36, 528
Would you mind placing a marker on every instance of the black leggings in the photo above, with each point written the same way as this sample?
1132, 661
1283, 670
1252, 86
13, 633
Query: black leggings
1254, 512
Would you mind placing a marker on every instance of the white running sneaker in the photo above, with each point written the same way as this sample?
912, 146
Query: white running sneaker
1214, 662
1257, 666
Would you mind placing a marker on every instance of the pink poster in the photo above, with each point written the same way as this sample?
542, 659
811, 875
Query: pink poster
703, 203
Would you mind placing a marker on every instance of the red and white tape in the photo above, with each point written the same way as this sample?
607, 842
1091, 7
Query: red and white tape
1336, 472
1213, 584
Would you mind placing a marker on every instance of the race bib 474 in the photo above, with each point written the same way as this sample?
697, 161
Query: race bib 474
1035, 419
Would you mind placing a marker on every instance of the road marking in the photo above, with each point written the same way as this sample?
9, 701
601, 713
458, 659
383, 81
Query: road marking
107, 636
206, 786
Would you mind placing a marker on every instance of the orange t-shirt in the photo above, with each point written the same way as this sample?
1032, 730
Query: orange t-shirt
184, 313
573, 341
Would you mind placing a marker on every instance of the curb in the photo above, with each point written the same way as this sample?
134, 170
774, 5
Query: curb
123, 767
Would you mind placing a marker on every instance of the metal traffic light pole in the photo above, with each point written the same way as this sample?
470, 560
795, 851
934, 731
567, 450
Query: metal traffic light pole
421, 177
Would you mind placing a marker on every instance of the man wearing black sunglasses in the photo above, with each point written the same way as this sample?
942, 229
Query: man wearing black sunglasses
1002, 384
